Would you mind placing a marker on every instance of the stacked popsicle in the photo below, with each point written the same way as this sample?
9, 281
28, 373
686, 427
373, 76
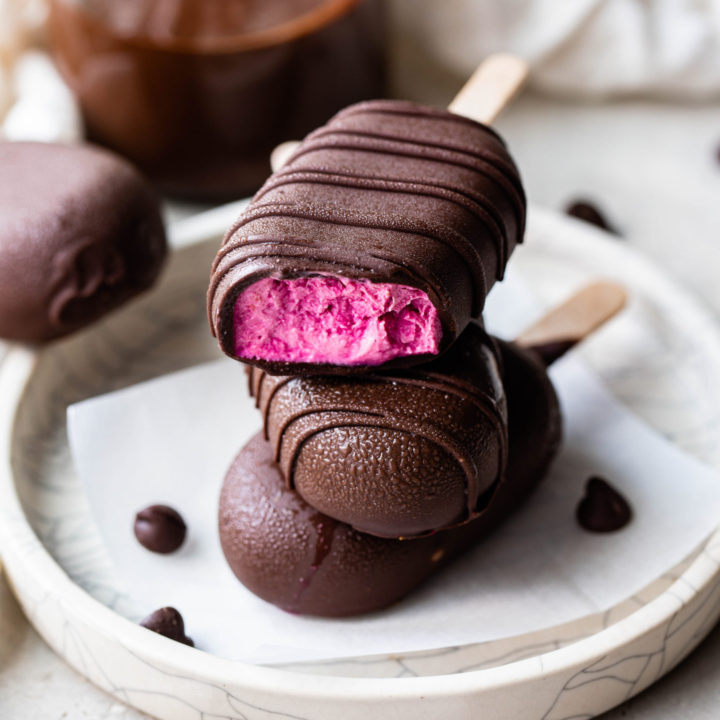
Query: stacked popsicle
397, 432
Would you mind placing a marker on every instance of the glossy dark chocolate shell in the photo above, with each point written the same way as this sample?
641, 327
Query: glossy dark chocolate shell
291, 555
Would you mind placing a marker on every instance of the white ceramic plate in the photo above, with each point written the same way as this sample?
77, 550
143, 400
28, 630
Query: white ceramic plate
58, 567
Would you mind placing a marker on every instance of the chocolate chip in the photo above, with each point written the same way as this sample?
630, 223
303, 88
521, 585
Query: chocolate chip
160, 529
603, 508
584, 210
168, 621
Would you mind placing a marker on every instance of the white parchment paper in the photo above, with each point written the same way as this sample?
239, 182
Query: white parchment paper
171, 440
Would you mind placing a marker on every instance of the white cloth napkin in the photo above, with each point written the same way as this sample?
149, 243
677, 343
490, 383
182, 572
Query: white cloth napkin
588, 47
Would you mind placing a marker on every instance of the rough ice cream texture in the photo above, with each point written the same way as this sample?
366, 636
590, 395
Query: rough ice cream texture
327, 319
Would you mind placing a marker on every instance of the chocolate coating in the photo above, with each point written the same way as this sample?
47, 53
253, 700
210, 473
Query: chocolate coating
306, 562
168, 621
602, 508
393, 454
80, 233
387, 191
160, 529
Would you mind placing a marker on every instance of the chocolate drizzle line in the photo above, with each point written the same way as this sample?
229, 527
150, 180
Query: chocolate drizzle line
409, 109
297, 224
474, 159
477, 206
477, 163
325, 530
342, 258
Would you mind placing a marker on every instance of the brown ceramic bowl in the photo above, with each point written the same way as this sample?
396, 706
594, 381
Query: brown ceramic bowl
198, 93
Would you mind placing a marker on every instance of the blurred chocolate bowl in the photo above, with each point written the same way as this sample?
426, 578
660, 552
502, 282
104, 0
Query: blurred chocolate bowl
198, 92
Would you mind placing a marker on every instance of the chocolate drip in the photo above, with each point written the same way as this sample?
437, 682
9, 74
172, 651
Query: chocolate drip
390, 192
324, 527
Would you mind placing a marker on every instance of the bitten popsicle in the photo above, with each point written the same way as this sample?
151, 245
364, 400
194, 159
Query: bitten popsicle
378, 241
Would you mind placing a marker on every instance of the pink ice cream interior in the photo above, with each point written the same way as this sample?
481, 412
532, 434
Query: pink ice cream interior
334, 320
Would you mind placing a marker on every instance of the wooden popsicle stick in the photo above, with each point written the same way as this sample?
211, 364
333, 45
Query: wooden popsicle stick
483, 97
577, 317
281, 154
490, 88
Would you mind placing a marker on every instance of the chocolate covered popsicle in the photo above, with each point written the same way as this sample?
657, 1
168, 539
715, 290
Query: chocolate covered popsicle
80, 233
306, 562
374, 246
394, 454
